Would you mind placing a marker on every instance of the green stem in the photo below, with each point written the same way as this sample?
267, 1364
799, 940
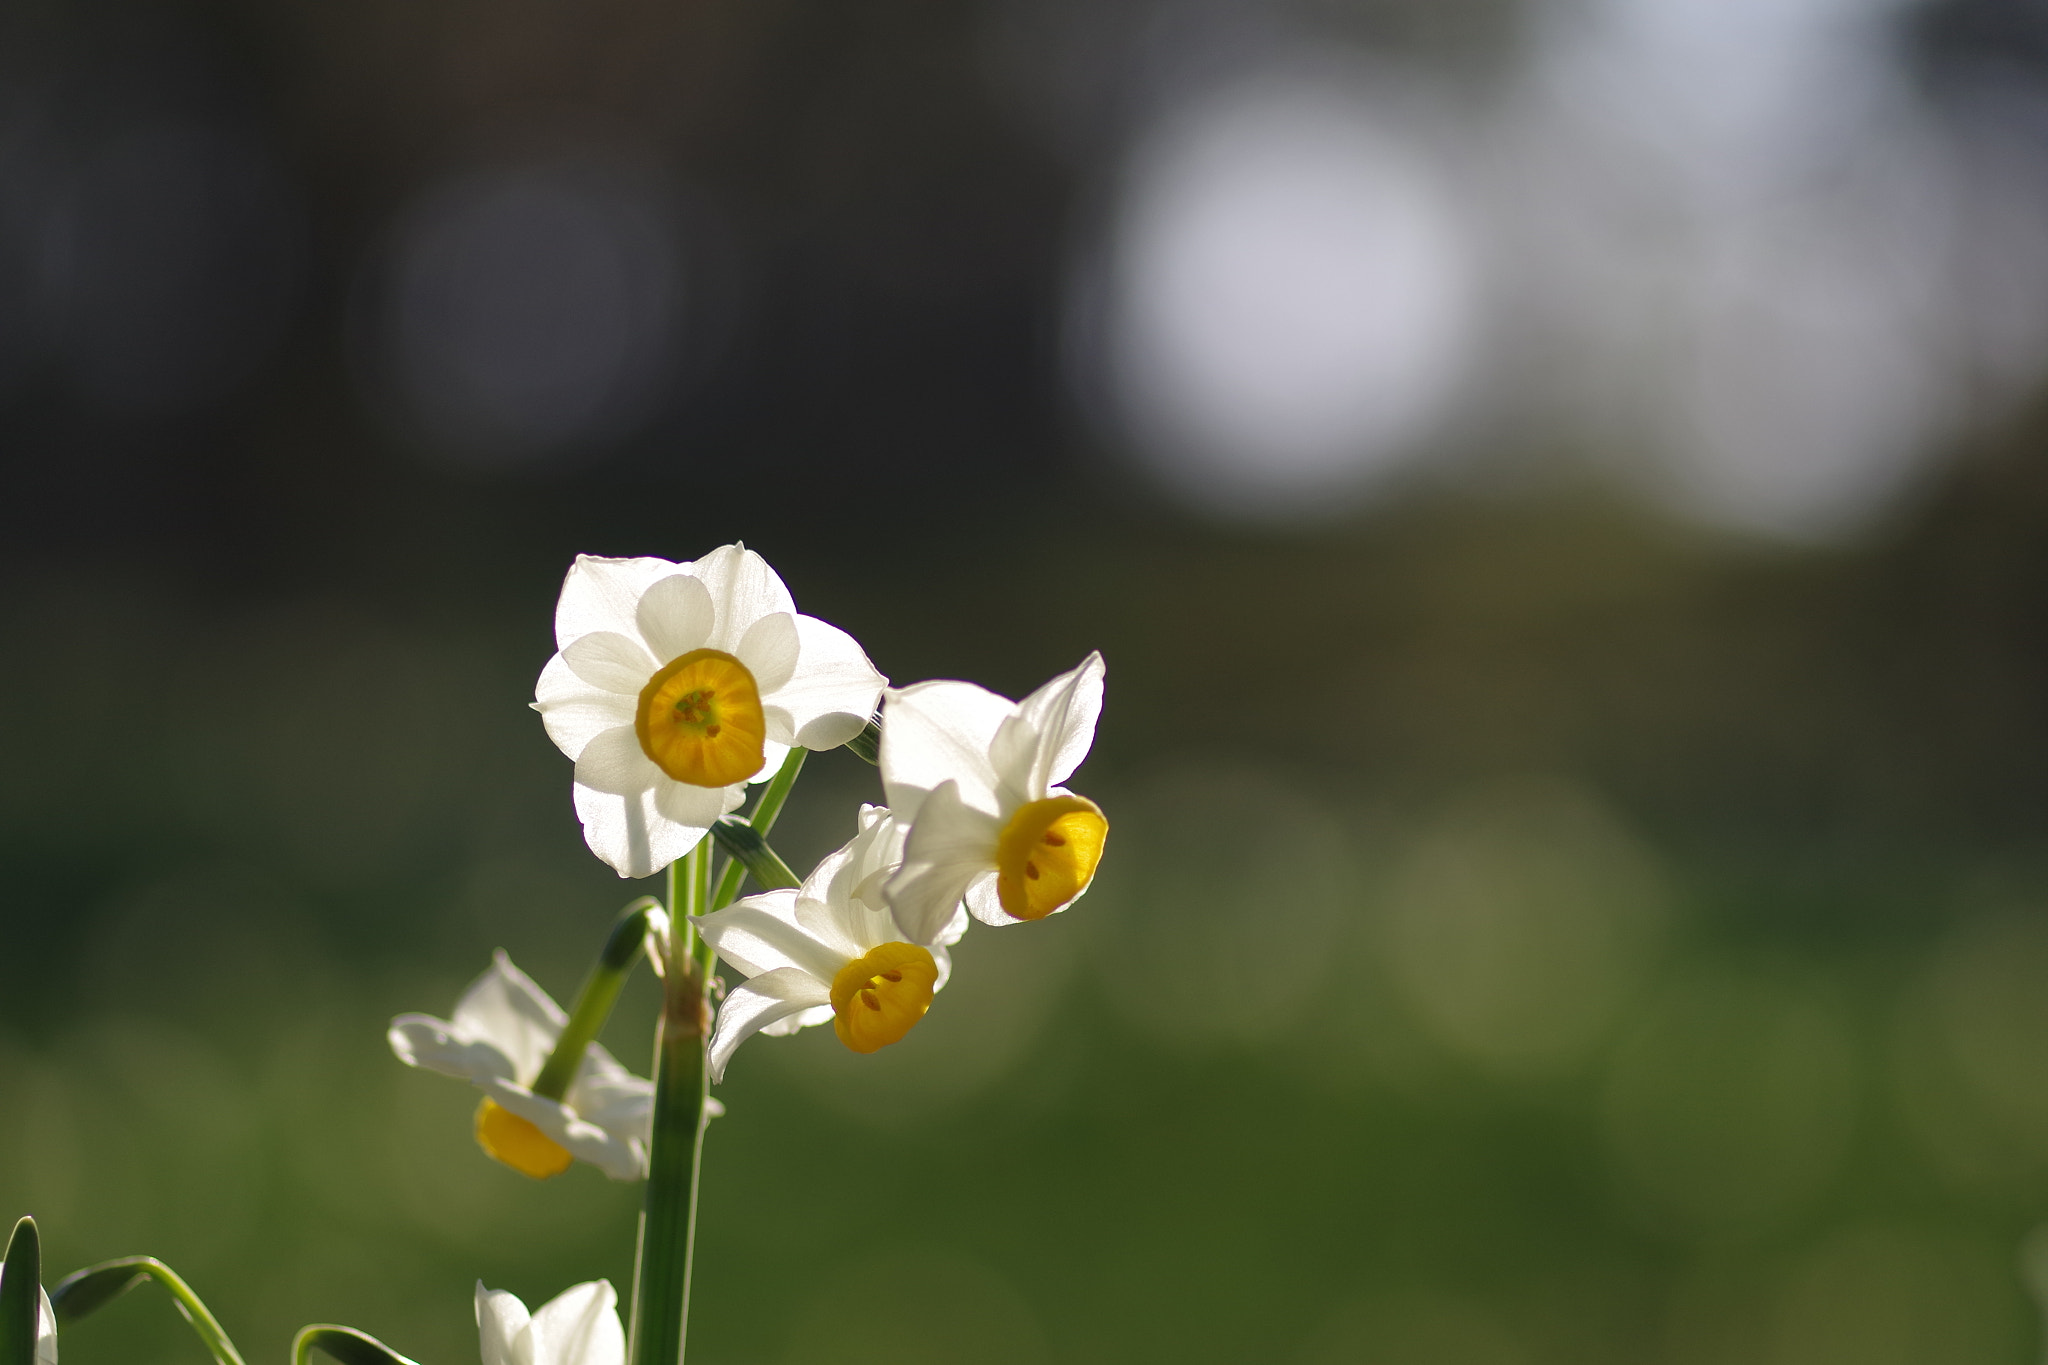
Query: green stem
868, 743
96, 1286
751, 851
668, 1216
595, 1000
762, 819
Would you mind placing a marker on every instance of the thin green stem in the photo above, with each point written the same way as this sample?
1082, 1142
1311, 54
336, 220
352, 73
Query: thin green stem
595, 1000
762, 819
668, 1215
751, 851
96, 1286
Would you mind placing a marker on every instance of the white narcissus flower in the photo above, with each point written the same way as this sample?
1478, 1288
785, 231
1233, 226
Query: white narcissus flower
677, 684
976, 776
828, 950
579, 1326
503, 1031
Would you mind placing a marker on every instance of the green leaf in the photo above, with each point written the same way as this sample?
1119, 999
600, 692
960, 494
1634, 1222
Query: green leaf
744, 844
81, 1295
345, 1344
84, 1292
21, 1282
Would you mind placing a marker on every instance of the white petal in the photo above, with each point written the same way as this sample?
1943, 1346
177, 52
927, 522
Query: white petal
1064, 713
629, 833
610, 662
573, 711
773, 752
950, 845
614, 763
617, 1101
982, 900
743, 590
769, 650
505, 1008
834, 691
620, 1156
763, 1000
794, 1023
603, 594
696, 807
424, 1041
579, 1326
937, 732
781, 732
500, 1327
760, 934
46, 1329
675, 616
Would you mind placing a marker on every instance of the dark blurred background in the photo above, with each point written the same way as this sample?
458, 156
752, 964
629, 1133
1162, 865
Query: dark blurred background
1560, 486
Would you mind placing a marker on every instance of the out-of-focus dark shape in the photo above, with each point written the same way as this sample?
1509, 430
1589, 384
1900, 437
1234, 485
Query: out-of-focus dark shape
169, 258
532, 309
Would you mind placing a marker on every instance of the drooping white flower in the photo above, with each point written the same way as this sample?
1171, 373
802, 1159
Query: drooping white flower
976, 777
579, 1326
677, 684
828, 950
503, 1031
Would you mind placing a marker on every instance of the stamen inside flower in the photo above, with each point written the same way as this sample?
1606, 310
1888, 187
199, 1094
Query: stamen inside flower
700, 720
516, 1142
1047, 854
876, 999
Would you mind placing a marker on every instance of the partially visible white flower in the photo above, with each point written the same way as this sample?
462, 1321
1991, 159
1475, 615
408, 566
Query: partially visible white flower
976, 777
503, 1031
677, 684
579, 1326
828, 950
46, 1325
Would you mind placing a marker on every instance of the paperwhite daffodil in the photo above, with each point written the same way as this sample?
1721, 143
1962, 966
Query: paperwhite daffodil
579, 1326
976, 776
828, 950
503, 1031
677, 684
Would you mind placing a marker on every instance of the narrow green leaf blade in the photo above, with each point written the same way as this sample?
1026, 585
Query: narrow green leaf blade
21, 1283
84, 1292
344, 1344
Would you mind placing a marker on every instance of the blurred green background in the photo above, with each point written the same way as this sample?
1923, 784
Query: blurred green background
1545, 921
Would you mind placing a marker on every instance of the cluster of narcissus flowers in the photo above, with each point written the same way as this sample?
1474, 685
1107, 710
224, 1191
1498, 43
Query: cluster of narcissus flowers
676, 686
675, 689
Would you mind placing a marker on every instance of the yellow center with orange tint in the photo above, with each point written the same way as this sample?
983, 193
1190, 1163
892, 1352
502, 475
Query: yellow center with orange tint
1047, 854
516, 1142
876, 999
700, 720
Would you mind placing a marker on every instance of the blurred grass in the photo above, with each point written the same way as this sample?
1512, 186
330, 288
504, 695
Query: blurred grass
1526, 938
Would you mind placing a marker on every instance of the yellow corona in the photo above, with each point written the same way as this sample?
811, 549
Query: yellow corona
700, 720
1047, 854
513, 1140
879, 997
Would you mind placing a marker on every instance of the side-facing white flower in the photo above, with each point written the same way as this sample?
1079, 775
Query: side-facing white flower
677, 684
828, 950
579, 1326
976, 776
503, 1031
